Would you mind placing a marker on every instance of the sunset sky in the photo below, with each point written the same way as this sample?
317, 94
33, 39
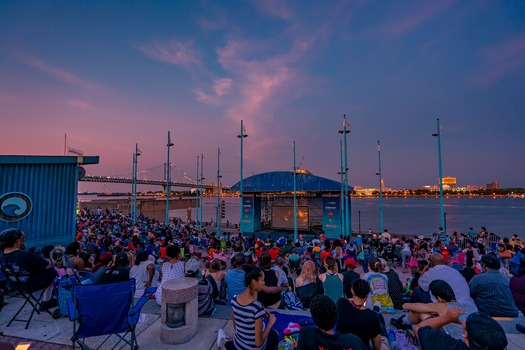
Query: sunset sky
110, 74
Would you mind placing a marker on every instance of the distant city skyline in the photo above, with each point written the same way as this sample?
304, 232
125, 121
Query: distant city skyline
113, 74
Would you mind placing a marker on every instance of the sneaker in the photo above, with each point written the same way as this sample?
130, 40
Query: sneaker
377, 307
46, 305
221, 339
398, 323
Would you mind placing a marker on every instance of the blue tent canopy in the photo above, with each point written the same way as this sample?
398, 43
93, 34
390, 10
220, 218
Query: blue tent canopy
282, 181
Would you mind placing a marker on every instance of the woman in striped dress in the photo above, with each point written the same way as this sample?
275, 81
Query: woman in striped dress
247, 315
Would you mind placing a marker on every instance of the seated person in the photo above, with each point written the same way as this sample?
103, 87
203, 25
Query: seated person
490, 290
247, 316
35, 272
324, 314
119, 271
446, 299
100, 268
480, 332
354, 317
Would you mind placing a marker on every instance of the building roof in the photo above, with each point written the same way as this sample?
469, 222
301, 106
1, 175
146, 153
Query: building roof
282, 181
12, 159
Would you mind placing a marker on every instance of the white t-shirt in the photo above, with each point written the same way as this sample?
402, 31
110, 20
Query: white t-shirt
456, 281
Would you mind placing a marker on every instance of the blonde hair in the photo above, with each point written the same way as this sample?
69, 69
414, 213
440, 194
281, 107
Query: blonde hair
309, 272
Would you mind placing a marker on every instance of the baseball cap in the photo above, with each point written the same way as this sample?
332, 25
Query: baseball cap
350, 262
485, 333
192, 266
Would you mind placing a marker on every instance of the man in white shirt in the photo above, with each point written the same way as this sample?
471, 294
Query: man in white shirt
437, 270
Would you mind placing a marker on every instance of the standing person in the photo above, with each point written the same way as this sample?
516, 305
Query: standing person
338, 254
332, 280
354, 317
171, 269
471, 254
367, 252
324, 314
406, 253
247, 315
35, 272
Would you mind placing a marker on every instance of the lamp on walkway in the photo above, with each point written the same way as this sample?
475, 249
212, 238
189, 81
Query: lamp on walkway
241, 136
168, 181
441, 204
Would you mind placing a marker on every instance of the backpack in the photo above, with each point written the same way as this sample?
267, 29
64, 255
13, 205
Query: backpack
219, 292
291, 302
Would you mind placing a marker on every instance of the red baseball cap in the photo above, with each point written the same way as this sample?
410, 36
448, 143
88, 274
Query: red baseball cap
350, 262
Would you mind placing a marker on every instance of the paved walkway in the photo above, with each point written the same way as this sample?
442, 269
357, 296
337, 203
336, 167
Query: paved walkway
46, 333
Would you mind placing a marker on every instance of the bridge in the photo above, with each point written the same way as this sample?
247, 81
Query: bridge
153, 176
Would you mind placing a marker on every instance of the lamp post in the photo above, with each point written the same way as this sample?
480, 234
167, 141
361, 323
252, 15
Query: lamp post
381, 226
241, 136
168, 181
295, 238
134, 184
218, 192
348, 217
342, 173
441, 204
200, 192
197, 197
359, 218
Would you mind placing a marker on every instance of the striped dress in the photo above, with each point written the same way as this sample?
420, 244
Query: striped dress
245, 316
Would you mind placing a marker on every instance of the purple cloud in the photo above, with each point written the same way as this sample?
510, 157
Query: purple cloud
174, 52
499, 61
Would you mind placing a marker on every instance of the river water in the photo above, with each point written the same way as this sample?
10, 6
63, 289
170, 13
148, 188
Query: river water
412, 215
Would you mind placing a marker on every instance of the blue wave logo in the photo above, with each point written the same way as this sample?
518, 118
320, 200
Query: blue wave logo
14, 206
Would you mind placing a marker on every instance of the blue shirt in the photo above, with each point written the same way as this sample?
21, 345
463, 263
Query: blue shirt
491, 293
235, 283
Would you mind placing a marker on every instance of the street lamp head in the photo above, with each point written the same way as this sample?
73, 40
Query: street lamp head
170, 144
377, 173
243, 135
434, 134
138, 154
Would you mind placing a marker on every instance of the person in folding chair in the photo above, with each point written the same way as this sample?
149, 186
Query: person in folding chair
33, 271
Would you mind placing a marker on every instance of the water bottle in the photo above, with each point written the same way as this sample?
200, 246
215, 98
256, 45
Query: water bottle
392, 338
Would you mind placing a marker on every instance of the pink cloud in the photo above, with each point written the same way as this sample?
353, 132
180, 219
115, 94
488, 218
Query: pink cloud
276, 8
174, 52
63, 75
499, 61
426, 12
78, 104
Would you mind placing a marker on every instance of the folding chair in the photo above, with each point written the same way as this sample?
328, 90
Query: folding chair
106, 309
35, 301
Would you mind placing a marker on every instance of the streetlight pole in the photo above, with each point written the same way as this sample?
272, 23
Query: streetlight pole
134, 184
241, 136
359, 217
168, 181
348, 217
381, 226
197, 197
200, 192
295, 238
218, 192
342, 173
441, 204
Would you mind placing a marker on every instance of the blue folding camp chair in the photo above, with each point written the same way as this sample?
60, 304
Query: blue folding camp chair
106, 309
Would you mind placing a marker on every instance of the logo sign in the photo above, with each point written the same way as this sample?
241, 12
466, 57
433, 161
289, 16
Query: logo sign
14, 206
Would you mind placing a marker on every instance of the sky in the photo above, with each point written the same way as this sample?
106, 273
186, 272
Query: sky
111, 74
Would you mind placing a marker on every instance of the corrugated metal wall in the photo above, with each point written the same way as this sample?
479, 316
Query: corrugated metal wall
53, 191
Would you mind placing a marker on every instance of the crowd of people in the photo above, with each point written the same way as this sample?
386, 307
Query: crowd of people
458, 283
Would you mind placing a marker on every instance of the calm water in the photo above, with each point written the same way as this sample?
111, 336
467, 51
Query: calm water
503, 216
